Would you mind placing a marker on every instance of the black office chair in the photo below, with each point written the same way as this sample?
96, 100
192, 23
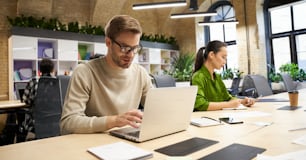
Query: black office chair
48, 108
64, 81
163, 81
255, 86
234, 90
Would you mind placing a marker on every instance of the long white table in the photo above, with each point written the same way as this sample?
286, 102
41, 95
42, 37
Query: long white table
275, 138
11, 104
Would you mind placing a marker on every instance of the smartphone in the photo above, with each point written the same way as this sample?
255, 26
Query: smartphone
230, 120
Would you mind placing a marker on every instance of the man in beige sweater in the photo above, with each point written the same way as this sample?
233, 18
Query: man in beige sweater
106, 92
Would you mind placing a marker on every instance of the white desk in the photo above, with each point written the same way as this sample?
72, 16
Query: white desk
275, 138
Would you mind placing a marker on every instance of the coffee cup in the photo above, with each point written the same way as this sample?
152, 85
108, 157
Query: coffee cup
293, 98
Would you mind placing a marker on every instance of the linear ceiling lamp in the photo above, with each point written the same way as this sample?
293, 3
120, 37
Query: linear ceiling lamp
217, 22
193, 14
159, 5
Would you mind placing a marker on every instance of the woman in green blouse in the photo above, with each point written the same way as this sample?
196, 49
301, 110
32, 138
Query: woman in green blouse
212, 93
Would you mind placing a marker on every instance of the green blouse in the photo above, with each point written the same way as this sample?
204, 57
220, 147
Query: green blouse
209, 90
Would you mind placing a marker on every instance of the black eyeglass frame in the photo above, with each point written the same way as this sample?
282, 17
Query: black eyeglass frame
128, 49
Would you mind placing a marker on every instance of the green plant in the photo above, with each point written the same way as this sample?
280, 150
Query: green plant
302, 75
55, 25
227, 74
182, 67
272, 75
237, 73
159, 38
290, 68
231, 73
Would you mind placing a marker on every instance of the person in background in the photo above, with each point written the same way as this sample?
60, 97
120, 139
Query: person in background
47, 69
106, 92
212, 93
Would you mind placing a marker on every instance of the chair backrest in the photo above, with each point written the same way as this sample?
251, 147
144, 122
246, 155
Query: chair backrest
48, 108
234, 90
64, 81
288, 82
163, 81
257, 82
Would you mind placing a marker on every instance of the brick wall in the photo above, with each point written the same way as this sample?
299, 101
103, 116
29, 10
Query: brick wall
98, 12
8, 8
250, 36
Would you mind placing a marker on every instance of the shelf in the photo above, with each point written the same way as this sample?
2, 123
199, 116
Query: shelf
28, 46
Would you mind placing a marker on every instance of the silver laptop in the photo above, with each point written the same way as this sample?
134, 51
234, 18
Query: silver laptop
166, 111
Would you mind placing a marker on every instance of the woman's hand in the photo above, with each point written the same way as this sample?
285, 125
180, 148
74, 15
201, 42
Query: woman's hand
248, 101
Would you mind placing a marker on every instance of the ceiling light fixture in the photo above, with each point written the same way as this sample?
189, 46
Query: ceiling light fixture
159, 5
193, 14
217, 22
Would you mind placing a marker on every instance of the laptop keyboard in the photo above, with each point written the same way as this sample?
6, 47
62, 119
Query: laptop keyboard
134, 134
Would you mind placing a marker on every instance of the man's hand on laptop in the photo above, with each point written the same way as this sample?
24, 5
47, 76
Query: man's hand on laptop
131, 118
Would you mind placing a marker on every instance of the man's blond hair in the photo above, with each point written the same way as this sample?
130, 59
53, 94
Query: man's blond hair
122, 23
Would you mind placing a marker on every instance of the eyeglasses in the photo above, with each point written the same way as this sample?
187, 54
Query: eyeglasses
127, 49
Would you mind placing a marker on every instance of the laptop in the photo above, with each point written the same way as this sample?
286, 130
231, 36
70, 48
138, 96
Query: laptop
19, 89
166, 111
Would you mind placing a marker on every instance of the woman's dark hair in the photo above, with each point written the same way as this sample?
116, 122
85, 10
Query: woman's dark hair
46, 67
202, 54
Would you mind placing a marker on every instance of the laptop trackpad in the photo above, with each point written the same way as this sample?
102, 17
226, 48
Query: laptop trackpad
134, 132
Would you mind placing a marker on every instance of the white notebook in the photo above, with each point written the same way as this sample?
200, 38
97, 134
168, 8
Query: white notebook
240, 107
127, 152
205, 122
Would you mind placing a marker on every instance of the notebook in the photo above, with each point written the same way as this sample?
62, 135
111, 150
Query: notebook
127, 151
240, 107
166, 111
205, 122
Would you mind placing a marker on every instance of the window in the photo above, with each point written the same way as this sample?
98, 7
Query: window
281, 50
281, 20
288, 34
223, 32
301, 50
299, 12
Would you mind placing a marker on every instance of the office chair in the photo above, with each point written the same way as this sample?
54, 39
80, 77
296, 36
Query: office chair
163, 81
64, 81
48, 108
288, 82
234, 90
255, 86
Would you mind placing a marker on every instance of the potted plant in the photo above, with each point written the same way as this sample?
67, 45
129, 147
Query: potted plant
182, 67
290, 68
229, 74
276, 80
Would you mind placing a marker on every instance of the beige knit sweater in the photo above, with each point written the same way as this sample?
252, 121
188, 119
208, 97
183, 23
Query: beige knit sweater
97, 90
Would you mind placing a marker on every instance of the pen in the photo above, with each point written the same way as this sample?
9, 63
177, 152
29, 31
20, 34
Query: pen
297, 129
210, 118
